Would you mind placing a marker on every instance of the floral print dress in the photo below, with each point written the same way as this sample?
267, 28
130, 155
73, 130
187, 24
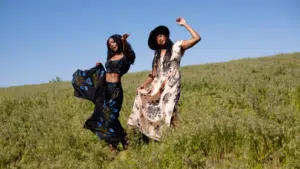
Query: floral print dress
152, 116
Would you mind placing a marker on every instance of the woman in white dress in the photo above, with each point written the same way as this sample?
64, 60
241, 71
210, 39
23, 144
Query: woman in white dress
156, 105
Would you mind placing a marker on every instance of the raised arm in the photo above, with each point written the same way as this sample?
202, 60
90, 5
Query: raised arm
129, 53
186, 44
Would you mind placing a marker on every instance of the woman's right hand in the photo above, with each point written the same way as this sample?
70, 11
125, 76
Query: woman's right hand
98, 63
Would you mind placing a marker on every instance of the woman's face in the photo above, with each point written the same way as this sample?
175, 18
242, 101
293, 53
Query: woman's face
112, 45
161, 40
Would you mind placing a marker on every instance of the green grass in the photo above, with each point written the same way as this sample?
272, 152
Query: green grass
239, 114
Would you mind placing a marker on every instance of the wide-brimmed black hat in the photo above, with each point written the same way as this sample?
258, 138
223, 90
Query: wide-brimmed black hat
152, 37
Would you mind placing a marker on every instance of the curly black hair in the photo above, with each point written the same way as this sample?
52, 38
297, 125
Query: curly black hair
118, 39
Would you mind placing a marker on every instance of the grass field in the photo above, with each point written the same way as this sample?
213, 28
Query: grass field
239, 114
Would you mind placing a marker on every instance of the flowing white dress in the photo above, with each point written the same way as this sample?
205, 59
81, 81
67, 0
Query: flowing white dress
151, 117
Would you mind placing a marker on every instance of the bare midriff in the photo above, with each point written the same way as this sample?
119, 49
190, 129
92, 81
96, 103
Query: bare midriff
113, 77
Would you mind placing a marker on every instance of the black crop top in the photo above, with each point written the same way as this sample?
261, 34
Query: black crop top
120, 66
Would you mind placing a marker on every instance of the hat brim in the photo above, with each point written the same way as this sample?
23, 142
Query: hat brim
152, 37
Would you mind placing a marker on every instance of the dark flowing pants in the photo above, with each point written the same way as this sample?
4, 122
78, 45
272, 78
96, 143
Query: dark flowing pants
107, 97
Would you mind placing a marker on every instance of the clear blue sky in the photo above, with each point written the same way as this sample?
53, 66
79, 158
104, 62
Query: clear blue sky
44, 39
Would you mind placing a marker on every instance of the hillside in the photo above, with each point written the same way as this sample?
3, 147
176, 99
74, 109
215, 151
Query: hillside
238, 114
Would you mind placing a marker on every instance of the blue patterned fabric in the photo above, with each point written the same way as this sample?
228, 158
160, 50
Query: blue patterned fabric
104, 121
107, 97
89, 84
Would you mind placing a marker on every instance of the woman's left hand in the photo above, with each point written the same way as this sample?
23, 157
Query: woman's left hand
125, 36
181, 21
